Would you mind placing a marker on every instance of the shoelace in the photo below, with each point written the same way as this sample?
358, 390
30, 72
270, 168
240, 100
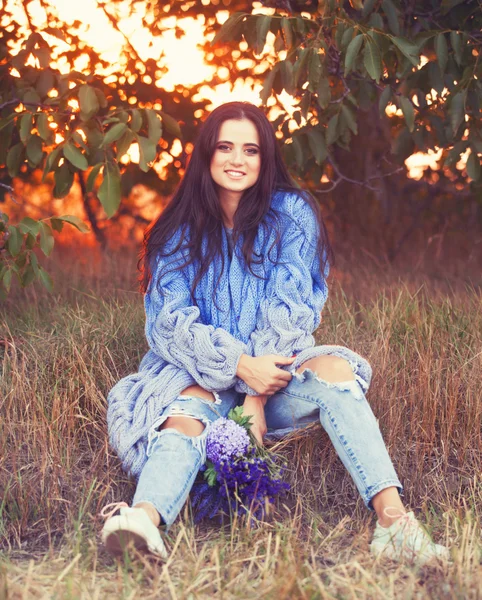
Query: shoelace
115, 506
407, 524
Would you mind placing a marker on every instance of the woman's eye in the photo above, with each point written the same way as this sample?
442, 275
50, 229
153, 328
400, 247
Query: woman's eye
252, 151
223, 147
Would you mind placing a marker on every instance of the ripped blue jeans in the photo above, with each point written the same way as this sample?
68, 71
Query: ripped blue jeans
174, 459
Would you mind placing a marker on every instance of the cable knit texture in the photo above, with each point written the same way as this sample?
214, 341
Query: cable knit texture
197, 342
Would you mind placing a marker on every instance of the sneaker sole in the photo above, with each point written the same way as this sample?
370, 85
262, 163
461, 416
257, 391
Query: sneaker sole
119, 541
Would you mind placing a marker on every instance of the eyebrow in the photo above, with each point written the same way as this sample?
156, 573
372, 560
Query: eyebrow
228, 142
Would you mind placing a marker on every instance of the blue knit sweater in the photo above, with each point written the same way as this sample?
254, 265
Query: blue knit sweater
275, 314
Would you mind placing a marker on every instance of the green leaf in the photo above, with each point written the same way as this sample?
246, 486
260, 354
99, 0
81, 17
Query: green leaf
372, 60
29, 225
315, 70
74, 156
324, 92
64, 178
317, 144
147, 152
27, 276
287, 76
210, 474
57, 224
43, 126
51, 162
228, 28
45, 82
7, 279
136, 120
441, 50
34, 149
14, 242
262, 27
15, 158
347, 37
124, 143
408, 49
101, 98
456, 42
110, 189
170, 123
352, 52
34, 262
154, 126
408, 112
72, 220
267, 88
385, 97
349, 119
114, 133
94, 172
332, 130
303, 54
89, 102
6, 121
473, 165
46, 239
25, 127
453, 155
457, 111
287, 31
46, 279
392, 16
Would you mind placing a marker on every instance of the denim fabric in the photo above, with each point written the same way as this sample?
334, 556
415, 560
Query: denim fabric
174, 458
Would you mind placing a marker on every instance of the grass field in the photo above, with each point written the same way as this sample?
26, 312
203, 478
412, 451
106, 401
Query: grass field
62, 353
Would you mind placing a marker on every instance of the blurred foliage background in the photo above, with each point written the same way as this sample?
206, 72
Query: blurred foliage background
376, 105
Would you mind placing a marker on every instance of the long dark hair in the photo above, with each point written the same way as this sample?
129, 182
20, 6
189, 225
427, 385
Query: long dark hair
195, 204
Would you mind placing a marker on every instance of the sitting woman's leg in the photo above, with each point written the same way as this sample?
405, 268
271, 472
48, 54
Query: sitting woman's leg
328, 383
334, 369
325, 388
176, 450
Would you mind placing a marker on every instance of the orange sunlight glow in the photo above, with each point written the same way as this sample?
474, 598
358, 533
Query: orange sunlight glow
182, 60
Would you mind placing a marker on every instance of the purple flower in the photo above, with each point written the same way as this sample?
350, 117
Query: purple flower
226, 440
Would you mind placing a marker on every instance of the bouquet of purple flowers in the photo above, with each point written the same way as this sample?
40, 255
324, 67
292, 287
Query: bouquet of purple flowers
240, 476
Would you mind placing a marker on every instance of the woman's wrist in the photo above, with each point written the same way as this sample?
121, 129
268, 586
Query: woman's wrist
242, 366
261, 399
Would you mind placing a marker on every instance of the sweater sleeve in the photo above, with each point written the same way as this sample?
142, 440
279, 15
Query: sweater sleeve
175, 333
296, 292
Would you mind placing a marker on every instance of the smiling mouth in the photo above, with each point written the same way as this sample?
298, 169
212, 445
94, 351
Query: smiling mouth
237, 174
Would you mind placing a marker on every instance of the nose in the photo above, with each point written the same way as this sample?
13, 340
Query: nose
237, 157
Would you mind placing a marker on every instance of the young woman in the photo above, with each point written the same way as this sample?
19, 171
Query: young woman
234, 279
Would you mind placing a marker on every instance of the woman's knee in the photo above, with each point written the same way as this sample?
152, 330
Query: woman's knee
198, 392
328, 367
186, 425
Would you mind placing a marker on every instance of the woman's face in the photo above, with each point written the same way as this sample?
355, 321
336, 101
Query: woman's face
236, 161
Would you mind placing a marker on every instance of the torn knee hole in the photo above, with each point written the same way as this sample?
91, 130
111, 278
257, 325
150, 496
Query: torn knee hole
186, 424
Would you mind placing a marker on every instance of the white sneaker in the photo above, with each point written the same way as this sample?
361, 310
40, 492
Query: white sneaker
405, 539
130, 526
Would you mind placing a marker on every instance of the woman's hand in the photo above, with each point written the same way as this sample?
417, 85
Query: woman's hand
262, 374
254, 406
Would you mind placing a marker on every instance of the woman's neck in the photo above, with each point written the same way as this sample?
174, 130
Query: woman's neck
229, 204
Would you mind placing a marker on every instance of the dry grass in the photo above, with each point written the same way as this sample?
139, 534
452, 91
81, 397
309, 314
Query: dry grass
62, 353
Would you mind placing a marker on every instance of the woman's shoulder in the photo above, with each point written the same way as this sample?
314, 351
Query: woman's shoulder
294, 206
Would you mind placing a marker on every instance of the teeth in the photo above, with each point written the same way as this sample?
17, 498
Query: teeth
235, 173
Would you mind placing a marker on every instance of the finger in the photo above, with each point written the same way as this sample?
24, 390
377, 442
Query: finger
283, 375
284, 360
